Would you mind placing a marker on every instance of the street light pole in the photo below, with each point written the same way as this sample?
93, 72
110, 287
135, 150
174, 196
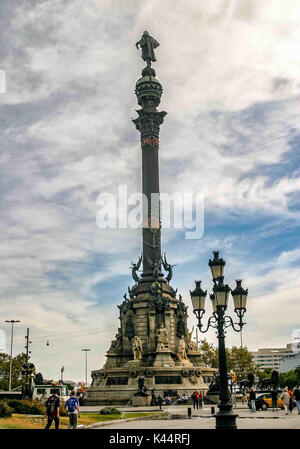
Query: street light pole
61, 374
86, 351
12, 322
225, 418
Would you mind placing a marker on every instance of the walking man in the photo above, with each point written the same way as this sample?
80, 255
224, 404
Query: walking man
274, 395
72, 407
200, 399
286, 400
297, 397
195, 398
253, 400
291, 403
52, 410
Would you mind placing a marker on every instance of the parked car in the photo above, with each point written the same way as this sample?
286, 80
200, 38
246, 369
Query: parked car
264, 401
268, 399
259, 402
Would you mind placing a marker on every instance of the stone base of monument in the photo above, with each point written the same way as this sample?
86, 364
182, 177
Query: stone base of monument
163, 358
117, 383
141, 401
117, 386
134, 363
185, 363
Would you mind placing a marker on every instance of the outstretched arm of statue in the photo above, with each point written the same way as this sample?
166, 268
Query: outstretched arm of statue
137, 44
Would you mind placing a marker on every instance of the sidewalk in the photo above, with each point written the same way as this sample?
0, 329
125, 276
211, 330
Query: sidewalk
202, 418
167, 408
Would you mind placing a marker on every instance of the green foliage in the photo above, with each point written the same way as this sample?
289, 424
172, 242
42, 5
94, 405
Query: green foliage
208, 354
17, 363
5, 410
25, 407
240, 360
110, 411
266, 372
290, 379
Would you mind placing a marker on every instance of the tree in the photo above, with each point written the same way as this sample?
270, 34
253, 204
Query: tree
239, 360
16, 379
208, 354
297, 372
264, 373
290, 378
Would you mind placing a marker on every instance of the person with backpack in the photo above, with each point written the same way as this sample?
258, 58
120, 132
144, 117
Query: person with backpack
52, 410
72, 407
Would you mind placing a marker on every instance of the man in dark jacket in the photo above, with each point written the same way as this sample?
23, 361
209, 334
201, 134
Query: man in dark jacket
252, 400
297, 397
52, 410
274, 395
195, 398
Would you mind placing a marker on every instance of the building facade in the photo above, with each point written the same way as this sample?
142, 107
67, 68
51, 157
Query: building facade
270, 357
289, 362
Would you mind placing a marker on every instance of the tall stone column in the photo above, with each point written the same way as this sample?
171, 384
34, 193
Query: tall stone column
168, 359
148, 92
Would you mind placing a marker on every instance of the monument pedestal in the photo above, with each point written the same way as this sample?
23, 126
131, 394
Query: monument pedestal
134, 363
141, 401
185, 363
163, 358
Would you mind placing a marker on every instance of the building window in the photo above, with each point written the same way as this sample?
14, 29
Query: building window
168, 380
117, 381
41, 390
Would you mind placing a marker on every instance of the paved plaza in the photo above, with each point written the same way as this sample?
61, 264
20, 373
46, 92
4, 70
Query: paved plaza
202, 419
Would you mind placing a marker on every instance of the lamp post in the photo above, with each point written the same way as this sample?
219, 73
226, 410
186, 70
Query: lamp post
61, 374
86, 351
12, 322
225, 418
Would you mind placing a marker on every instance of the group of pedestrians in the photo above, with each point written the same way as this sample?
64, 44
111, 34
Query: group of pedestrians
288, 398
197, 398
53, 410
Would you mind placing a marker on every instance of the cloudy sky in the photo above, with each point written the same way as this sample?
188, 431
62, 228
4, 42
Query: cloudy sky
231, 77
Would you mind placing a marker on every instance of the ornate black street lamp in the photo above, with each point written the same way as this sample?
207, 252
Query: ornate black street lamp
225, 418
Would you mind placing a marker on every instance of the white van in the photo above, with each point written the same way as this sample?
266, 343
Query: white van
42, 392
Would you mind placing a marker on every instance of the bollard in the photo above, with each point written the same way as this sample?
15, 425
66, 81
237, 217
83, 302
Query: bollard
212, 410
189, 412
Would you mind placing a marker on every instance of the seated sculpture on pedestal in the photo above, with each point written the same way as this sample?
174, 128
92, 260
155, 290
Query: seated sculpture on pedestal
162, 339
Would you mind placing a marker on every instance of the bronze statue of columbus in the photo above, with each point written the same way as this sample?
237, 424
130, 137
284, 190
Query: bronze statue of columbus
147, 44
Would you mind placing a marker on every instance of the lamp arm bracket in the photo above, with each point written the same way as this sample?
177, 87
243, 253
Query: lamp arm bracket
229, 322
212, 322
